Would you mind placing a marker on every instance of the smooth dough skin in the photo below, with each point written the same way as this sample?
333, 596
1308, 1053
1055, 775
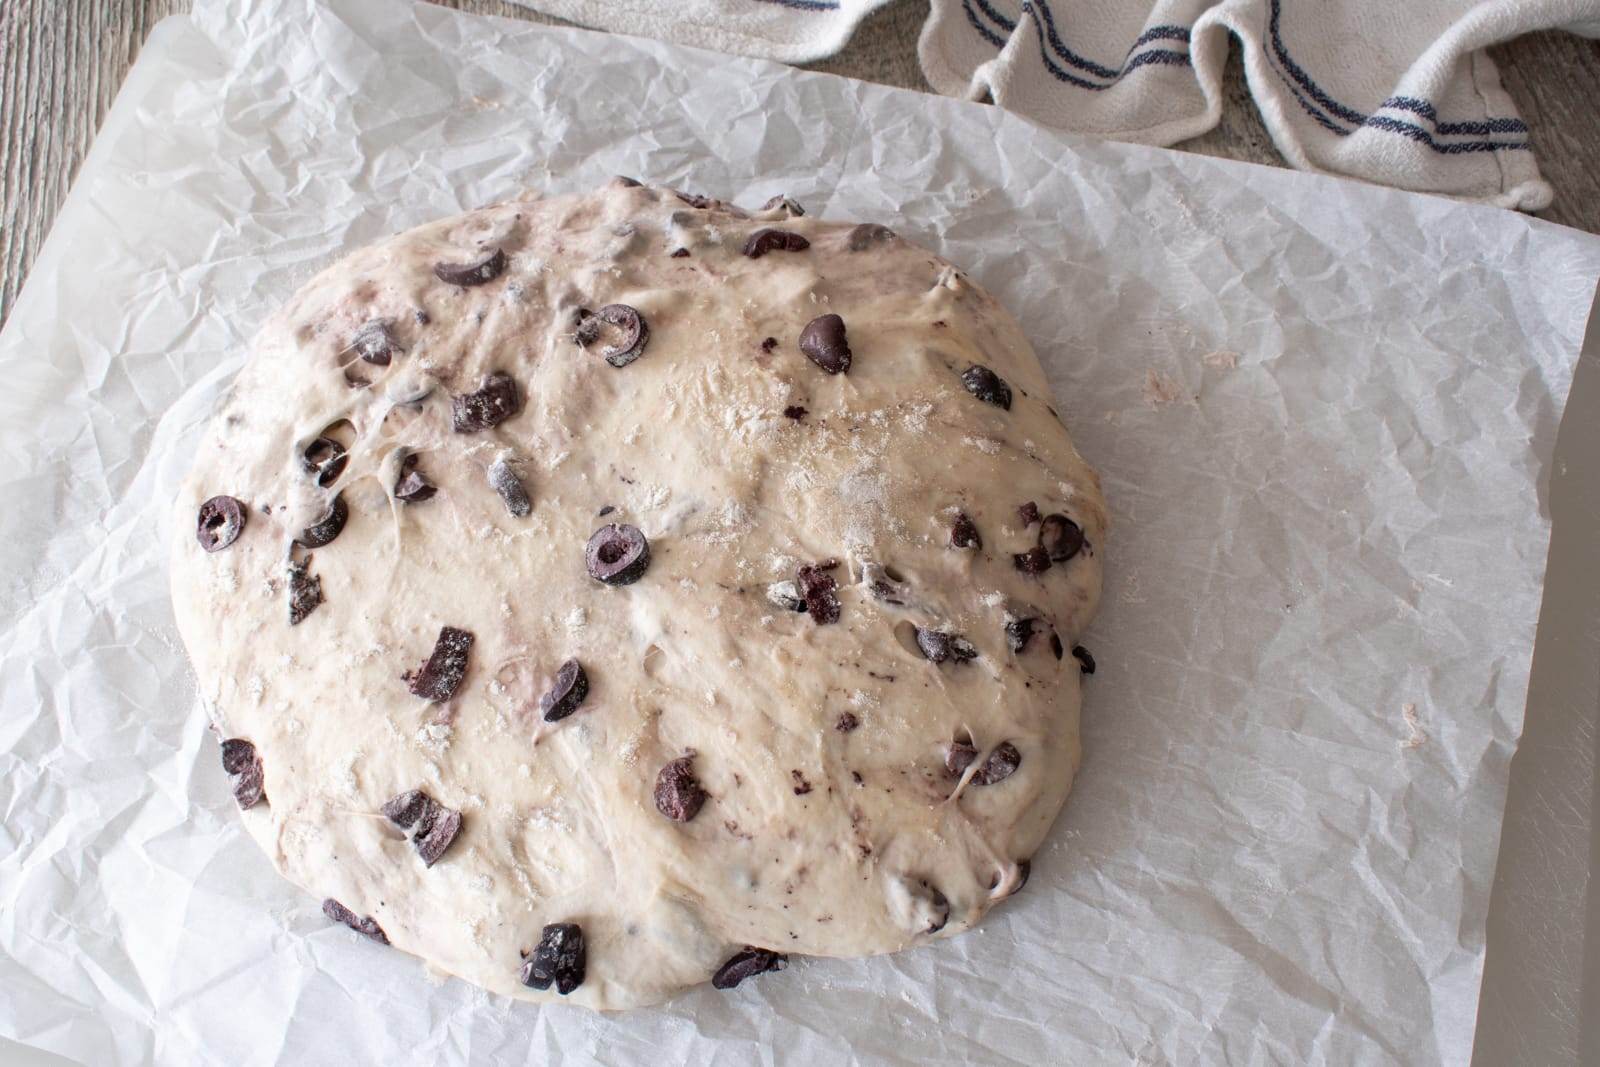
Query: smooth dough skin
832, 823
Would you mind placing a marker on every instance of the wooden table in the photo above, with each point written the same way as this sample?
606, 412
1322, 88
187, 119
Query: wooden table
62, 61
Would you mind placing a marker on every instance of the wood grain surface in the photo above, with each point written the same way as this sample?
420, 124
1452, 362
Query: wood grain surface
61, 62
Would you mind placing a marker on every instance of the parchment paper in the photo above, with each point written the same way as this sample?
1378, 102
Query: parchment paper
1323, 413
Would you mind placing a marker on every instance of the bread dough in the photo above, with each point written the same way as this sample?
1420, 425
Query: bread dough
830, 823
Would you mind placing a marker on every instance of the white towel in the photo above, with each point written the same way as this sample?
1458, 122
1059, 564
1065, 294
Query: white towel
1400, 94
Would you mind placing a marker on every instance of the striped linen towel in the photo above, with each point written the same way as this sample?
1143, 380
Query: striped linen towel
1398, 94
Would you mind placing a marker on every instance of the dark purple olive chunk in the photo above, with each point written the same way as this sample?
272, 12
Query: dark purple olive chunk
987, 386
1034, 561
484, 269
239, 759
823, 342
790, 207
496, 400
305, 591
635, 332
678, 793
367, 927
693, 199
375, 344
866, 235
220, 523
1085, 660
939, 646
680, 253
1055, 645
964, 532
324, 530
795, 412
571, 686
440, 676
1000, 765
622, 181
432, 826
1028, 514
769, 240
846, 723
326, 459
747, 963
1060, 537
1019, 632
817, 589
617, 554
512, 492
560, 959
413, 487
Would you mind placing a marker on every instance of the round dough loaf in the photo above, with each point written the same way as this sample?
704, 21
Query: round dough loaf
819, 716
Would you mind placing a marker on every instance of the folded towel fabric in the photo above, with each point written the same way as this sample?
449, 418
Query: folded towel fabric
1398, 94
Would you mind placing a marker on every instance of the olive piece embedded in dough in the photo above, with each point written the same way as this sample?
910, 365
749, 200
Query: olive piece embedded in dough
987, 386
326, 459
1060, 537
1085, 660
560, 958
617, 554
485, 268
747, 963
367, 926
441, 674
239, 759
305, 590
678, 793
413, 487
937, 646
1034, 561
570, 689
495, 400
964, 532
375, 344
866, 235
823, 342
767, 240
324, 530
220, 523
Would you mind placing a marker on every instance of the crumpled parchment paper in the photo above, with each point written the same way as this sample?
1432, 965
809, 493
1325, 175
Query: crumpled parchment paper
1323, 413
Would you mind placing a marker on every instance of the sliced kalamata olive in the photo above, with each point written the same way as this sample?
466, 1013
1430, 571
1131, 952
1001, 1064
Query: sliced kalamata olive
635, 334
795, 412
367, 927
1055, 645
964, 532
769, 240
768, 344
747, 963
324, 530
694, 199
503, 479
1028, 514
680, 253
239, 759
817, 588
1034, 561
433, 827
1019, 632
305, 590
622, 181
571, 686
485, 268
823, 342
326, 459
413, 487
1085, 660
441, 674
883, 585
867, 234
678, 793
560, 959
987, 386
938, 646
846, 722
496, 399
220, 522
1060, 537
585, 328
617, 554
789, 207
375, 344
1000, 765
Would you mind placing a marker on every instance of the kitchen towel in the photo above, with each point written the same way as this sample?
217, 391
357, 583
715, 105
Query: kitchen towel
1398, 94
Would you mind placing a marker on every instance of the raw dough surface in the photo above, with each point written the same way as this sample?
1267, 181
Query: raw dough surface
833, 825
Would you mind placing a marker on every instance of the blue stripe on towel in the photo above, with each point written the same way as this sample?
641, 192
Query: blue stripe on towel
806, 5
1293, 75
